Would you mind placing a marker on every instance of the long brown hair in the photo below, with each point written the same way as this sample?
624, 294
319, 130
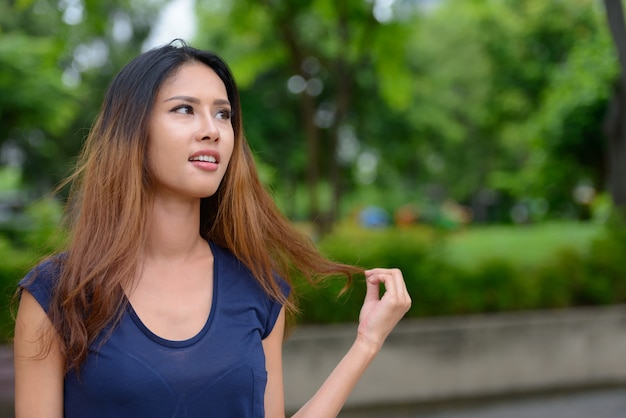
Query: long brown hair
112, 191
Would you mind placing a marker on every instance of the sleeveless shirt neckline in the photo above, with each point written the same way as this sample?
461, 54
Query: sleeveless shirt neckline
190, 341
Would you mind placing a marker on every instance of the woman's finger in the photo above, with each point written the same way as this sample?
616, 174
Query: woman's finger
393, 281
372, 289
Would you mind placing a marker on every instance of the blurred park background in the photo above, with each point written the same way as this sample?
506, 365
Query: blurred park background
479, 145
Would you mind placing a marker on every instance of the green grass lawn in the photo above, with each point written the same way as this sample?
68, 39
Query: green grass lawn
523, 245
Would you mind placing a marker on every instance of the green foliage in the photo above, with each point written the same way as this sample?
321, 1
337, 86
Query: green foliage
566, 143
450, 99
482, 70
355, 73
532, 244
15, 263
9, 180
404, 249
590, 273
56, 58
38, 235
605, 263
37, 77
43, 234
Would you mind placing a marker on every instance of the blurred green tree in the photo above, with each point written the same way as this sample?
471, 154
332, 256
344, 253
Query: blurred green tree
485, 103
568, 150
437, 99
322, 71
484, 69
57, 56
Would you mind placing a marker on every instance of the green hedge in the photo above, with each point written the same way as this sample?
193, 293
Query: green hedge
569, 278
15, 264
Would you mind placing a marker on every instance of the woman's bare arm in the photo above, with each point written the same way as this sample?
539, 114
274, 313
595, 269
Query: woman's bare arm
379, 315
274, 391
39, 370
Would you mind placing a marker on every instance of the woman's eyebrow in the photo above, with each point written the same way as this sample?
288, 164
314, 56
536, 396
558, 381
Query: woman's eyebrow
221, 102
184, 98
191, 99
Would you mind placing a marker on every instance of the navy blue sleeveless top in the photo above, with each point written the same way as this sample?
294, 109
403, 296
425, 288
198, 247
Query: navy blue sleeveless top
219, 373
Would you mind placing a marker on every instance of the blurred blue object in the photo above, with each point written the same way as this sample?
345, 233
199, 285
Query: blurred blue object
374, 217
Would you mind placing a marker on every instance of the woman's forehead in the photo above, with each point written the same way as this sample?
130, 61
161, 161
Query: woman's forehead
193, 79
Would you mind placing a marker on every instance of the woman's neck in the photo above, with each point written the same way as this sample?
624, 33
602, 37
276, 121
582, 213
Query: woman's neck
174, 231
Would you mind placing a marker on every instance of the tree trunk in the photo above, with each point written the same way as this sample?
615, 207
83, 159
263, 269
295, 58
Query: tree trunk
615, 123
342, 102
307, 112
312, 134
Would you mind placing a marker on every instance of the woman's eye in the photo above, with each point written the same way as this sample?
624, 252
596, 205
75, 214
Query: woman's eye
223, 114
183, 109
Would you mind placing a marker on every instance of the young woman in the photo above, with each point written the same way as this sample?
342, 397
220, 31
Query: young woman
170, 299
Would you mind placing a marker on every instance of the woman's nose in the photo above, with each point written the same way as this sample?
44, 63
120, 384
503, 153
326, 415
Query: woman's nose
208, 130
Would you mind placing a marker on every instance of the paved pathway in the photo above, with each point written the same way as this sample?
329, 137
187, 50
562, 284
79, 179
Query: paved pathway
608, 402
6, 382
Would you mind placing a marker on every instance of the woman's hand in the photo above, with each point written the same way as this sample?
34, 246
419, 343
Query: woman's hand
380, 314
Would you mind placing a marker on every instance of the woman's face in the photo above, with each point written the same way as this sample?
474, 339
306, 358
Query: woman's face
191, 136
